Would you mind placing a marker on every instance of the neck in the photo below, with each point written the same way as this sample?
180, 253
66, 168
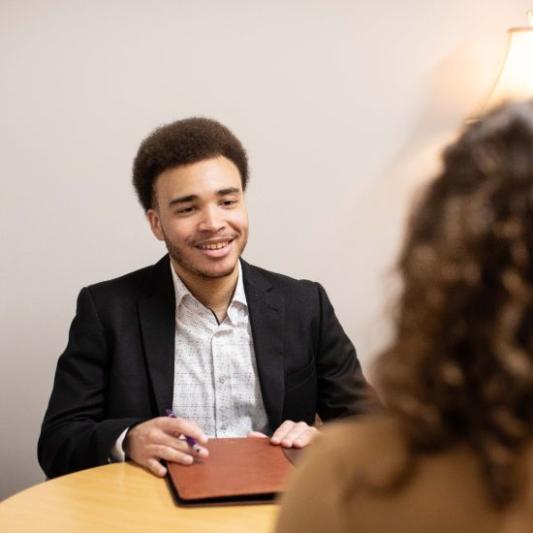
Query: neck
214, 293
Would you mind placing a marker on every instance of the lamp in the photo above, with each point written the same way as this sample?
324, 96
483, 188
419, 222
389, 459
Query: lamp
515, 81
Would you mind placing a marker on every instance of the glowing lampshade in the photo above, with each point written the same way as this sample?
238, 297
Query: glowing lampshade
515, 81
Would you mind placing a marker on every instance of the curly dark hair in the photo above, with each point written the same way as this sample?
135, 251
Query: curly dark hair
181, 143
460, 367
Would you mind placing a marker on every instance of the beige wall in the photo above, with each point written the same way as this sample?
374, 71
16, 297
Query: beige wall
341, 105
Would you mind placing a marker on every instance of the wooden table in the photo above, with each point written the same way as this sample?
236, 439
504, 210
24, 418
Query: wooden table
122, 497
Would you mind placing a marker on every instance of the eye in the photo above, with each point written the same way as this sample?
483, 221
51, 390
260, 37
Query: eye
228, 202
185, 210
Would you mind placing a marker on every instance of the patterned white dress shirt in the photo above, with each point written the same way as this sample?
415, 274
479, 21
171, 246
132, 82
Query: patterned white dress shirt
215, 373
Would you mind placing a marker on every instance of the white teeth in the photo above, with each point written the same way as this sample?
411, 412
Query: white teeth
214, 246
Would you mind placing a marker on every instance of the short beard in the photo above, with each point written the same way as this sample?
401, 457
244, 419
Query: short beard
177, 256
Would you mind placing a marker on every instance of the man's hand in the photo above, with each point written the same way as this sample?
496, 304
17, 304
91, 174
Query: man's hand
290, 434
160, 439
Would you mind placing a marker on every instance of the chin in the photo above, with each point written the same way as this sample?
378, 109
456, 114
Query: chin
217, 273
206, 269
213, 275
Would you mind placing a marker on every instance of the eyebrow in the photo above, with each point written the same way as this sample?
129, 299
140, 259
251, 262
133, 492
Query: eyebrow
192, 197
183, 199
229, 190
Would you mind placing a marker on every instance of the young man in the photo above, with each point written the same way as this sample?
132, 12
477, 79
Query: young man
231, 349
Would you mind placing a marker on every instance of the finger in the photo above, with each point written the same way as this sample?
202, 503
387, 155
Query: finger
282, 431
178, 426
256, 435
305, 438
296, 432
172, 455
156, 467
181, 445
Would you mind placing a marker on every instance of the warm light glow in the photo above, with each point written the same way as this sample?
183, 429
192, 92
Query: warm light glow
515, 81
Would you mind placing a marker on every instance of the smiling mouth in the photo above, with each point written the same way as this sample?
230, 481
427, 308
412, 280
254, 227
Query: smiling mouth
214, 245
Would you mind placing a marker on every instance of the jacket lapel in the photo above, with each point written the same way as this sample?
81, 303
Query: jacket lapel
157, 315
266, 309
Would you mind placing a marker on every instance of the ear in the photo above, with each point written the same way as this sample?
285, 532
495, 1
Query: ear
155, 224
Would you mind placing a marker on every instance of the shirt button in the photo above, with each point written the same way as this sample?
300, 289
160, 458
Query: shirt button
222, 380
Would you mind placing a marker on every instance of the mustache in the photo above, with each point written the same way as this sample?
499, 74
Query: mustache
213, 240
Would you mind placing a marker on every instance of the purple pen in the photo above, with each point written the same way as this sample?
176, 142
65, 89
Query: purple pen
190, 440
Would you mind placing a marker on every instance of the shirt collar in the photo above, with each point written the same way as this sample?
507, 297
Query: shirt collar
180, 290
239, 295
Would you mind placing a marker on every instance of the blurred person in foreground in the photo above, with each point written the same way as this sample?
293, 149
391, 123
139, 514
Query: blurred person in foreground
452, 450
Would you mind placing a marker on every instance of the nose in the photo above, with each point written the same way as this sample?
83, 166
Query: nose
211, 219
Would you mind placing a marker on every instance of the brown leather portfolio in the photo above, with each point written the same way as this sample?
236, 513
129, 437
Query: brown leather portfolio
238, 469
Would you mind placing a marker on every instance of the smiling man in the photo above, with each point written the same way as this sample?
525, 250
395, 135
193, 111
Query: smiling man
230, 349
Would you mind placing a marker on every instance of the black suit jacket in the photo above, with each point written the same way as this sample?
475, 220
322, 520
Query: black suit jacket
118, 366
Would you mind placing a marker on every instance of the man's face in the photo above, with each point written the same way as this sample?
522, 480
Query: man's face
201, 215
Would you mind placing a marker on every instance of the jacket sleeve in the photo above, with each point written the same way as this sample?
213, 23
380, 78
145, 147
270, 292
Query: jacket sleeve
342, 389
75, 433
